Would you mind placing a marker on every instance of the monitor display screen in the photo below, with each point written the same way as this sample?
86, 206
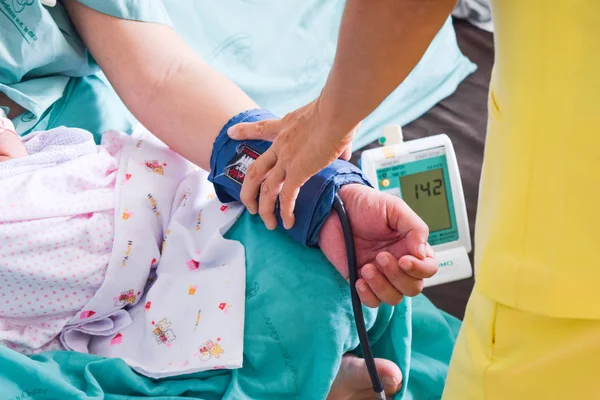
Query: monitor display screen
425, 193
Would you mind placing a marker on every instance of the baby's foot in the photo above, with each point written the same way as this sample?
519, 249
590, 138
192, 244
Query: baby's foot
353, 383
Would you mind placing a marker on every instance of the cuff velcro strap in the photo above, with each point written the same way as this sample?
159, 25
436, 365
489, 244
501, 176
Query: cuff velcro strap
231, 158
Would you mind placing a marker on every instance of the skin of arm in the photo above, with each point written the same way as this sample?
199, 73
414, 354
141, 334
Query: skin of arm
164, 84
379, 44
185, 103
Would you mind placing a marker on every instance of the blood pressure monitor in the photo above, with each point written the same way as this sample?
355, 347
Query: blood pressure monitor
424, 173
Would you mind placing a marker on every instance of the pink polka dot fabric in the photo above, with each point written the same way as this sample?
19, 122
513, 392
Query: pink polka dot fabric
56, 235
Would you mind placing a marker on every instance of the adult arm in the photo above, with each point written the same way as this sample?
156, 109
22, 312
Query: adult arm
161, 80
186, 104
379, 44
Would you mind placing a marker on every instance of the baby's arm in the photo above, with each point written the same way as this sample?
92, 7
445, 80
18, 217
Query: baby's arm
10, 143
168, 88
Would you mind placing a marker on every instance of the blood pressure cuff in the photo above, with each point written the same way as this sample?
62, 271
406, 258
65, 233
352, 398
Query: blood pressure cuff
231, 158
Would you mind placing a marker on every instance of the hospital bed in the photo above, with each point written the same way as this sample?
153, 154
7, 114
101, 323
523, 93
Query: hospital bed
253, 61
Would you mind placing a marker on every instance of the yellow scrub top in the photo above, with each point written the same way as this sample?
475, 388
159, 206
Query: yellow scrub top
538, 228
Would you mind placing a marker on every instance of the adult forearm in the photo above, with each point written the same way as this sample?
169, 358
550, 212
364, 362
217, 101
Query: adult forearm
166, 86
380, 42
188, 108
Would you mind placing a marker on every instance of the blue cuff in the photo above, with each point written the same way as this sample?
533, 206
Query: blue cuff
231, 158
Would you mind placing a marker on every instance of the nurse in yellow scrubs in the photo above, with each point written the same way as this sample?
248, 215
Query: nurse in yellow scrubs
532, 327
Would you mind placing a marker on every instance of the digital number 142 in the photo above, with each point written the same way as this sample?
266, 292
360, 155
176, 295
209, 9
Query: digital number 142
432, 188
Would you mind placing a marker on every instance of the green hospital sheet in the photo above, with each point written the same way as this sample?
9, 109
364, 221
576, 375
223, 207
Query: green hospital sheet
299, 323
299, 319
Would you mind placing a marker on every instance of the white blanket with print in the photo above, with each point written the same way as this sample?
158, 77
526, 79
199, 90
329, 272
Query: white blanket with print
118, 250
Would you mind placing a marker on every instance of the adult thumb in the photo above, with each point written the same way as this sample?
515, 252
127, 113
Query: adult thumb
408, 224
261, 130
347, 153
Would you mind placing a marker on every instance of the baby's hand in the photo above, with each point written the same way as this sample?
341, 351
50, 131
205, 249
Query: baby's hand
10, 143
391, 245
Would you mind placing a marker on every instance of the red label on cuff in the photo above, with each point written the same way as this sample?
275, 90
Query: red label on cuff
238, 165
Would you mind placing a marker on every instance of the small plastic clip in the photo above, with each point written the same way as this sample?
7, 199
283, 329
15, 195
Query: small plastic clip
392, 135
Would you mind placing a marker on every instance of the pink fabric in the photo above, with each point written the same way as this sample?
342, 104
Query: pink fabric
7, 125
56, 234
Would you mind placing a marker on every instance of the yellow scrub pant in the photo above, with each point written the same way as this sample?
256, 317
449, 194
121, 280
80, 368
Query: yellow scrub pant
532, 327
503, 353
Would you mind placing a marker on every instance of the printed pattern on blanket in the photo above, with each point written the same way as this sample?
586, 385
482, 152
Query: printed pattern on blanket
56, 229
172, 301
298, 325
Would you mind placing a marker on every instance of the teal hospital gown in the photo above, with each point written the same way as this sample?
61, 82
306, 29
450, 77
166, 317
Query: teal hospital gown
299, 319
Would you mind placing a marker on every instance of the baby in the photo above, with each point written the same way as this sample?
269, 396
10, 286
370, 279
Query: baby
86, 234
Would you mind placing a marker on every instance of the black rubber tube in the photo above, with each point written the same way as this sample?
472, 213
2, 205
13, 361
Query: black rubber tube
338, 206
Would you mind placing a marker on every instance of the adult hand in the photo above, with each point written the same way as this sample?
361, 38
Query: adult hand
303, 144
391, 245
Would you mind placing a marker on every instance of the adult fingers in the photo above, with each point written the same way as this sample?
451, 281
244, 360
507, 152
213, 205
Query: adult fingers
267, 129
405, 221
366, 295
380, 285
397, 277
269, 191
287, 200
418, 269
255, 174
